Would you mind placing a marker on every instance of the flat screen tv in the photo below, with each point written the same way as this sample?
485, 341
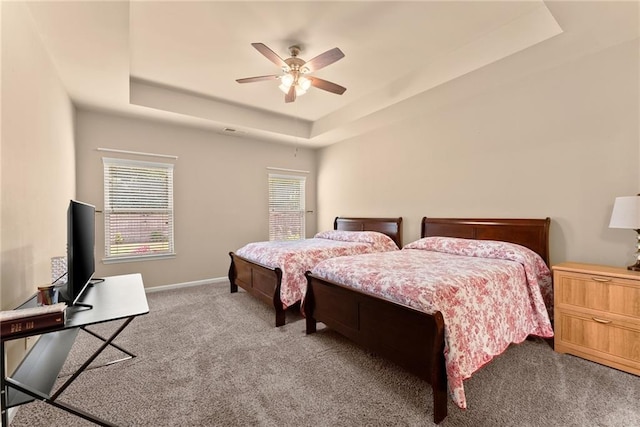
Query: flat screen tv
80, 251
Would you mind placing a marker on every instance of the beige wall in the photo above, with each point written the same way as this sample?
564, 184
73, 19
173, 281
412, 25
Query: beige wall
38, 166
220, 190
559, 142
37, 162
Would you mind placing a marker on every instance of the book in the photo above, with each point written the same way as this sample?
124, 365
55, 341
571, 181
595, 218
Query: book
14, 322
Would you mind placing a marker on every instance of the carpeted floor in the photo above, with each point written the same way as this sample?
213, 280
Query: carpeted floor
210, 358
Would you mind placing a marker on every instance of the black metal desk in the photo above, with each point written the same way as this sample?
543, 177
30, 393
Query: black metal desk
118, 297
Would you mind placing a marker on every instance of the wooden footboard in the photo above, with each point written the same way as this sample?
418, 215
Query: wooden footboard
258, 280
404, 335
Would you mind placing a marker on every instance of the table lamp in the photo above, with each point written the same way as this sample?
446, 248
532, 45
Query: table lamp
626, 214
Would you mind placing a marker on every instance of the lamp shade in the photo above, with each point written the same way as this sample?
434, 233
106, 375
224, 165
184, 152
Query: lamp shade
626, 213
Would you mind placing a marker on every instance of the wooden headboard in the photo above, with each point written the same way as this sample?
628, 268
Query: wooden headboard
531, 233
392, 227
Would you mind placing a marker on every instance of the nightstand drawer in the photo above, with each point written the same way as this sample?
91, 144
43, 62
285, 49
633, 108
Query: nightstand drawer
597, 314
598, 336
597, 292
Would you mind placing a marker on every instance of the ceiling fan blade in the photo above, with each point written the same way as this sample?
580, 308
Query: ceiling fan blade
327, 85
324, 59
291, 95
269, 54
257, 79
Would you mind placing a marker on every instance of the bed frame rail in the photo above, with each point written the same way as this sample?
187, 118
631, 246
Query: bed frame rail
412, 339
258, 280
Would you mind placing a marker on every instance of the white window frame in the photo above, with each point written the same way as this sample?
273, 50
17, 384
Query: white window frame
160, 207
293, 209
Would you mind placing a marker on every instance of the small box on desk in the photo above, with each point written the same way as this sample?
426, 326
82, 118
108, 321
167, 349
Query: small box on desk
17, 322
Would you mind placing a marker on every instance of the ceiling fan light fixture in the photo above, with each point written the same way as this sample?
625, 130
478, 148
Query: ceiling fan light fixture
304, 83
301, 86
299, 90
287, 80
284, 88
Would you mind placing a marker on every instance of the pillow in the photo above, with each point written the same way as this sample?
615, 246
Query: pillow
478, 248
380, 241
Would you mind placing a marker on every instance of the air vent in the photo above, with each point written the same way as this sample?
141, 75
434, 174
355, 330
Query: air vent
232, 132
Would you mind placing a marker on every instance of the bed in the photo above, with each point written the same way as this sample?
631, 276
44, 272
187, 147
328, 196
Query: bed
280, 281
420, 341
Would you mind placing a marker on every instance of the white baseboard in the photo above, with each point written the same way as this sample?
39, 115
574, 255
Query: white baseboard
211, 281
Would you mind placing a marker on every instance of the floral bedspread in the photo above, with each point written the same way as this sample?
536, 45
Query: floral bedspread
490, 293
298, 256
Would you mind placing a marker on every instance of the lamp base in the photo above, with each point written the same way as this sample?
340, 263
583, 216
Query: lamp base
634, 267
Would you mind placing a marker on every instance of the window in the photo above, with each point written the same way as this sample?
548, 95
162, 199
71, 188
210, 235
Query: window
286, 207
138, 209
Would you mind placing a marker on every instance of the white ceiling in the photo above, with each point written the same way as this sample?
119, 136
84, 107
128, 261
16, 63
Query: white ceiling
178, 61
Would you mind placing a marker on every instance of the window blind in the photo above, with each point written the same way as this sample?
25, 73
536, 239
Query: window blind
138, 209
286, 207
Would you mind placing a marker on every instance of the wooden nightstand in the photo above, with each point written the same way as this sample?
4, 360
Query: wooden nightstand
597, 314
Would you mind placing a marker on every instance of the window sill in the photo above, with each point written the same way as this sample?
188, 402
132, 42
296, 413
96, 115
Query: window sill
137, 258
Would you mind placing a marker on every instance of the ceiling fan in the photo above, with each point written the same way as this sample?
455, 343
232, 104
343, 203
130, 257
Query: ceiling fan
295, 79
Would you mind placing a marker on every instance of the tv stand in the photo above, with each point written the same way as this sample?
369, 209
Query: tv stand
81, 304
119, 297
